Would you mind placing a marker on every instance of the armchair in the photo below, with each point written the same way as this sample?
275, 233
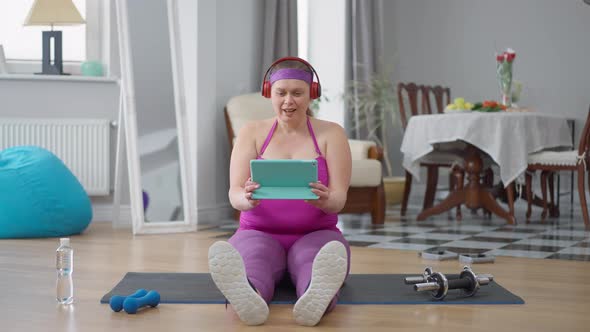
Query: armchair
365, 194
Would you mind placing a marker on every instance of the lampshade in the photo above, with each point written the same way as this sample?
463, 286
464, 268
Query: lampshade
54, 12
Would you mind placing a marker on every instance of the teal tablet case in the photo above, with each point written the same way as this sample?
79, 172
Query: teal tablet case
284, 178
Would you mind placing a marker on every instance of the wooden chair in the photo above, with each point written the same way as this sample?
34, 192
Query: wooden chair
366, 193
418, 98
442, 97
549, 162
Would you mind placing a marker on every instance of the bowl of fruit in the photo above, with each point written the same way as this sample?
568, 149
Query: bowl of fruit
459, 105
488, 106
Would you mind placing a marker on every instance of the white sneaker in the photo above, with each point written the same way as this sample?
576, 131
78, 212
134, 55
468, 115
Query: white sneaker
229, 274
327, 275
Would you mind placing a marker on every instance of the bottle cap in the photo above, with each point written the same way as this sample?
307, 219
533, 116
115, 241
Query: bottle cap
64, 241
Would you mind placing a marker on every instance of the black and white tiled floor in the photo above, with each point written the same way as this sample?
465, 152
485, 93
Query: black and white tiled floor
556, 238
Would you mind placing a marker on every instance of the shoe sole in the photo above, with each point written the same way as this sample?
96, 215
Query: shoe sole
327, 275
229, 274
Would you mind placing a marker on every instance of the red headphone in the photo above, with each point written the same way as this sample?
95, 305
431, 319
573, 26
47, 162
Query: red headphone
315, 90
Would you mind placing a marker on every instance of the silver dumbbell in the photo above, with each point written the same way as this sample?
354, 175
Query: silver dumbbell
428, 272
419, 279
468, 282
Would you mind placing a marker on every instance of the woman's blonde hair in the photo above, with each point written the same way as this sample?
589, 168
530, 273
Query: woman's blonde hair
292, 64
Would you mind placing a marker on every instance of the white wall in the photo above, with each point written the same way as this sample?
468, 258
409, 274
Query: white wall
38, 98
327, 50
229, 35
452, 42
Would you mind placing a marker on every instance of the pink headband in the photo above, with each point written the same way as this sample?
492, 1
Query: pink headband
291, 73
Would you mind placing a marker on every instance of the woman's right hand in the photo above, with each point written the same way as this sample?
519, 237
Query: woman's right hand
249, 188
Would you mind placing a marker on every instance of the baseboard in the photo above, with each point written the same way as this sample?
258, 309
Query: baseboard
215, 215
103, 212
209, 216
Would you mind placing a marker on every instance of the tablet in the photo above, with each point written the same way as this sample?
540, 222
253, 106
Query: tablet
284, 178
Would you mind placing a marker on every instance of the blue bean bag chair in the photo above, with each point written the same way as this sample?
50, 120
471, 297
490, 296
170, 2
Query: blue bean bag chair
39, 196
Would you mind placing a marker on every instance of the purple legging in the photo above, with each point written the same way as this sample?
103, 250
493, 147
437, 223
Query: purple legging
266, 259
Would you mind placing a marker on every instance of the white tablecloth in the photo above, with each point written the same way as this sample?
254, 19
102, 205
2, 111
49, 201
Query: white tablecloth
506, 137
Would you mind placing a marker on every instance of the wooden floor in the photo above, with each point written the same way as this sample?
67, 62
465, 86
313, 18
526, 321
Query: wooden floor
556, 292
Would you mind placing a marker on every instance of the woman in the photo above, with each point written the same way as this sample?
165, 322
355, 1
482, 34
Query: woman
276, 236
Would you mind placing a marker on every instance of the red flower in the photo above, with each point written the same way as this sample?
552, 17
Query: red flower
507, 56
489, 103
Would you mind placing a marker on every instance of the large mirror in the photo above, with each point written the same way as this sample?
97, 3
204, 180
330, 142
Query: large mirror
152, 104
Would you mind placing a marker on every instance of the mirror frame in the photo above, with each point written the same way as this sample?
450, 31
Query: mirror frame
130, 121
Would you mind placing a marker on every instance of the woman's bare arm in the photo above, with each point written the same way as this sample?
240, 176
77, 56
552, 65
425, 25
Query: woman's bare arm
339, 160
240, 187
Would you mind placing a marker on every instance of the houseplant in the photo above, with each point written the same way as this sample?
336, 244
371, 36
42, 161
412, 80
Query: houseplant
315, 104
373, 105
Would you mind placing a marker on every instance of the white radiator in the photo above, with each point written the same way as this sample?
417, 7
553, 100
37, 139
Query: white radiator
82, 144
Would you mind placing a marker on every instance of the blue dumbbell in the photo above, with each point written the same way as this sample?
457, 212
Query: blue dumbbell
131, 304
116, 301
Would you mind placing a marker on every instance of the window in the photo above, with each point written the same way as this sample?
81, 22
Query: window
24, 42
302, 28
325, 48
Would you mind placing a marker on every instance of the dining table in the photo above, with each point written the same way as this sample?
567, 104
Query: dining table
503, 138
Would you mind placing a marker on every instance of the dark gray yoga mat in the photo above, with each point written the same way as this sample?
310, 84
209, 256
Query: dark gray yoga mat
199, 288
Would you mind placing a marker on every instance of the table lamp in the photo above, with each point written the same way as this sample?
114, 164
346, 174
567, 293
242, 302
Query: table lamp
53, 12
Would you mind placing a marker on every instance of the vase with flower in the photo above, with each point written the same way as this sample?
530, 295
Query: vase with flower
504, 73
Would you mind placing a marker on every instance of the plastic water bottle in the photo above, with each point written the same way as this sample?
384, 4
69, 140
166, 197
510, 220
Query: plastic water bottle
65, 265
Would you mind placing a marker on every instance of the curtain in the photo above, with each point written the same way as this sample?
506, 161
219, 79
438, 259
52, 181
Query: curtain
365, 38
280, 31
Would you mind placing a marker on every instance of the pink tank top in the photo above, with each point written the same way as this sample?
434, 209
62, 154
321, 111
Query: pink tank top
290, 217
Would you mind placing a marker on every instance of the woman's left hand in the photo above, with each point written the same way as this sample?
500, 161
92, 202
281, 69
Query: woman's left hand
323, 194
